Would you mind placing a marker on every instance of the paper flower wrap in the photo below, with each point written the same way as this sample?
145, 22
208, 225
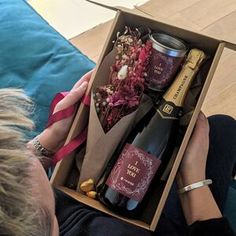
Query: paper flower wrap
126, 81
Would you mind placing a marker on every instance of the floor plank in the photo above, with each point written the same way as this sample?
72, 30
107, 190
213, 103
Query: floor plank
224, 28
178, 20
204, 13
221, 95
165, 8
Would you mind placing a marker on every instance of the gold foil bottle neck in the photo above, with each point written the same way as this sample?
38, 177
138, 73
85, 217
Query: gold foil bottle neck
179, 88
194, 59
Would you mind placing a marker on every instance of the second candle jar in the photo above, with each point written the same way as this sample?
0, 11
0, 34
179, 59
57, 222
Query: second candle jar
167, 55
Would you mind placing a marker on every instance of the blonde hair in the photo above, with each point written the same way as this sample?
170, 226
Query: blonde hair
20, 213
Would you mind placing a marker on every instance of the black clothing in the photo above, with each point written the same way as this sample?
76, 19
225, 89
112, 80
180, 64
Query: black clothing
214, 227
76, 219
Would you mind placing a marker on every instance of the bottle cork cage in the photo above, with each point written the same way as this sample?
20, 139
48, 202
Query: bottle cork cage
212, 47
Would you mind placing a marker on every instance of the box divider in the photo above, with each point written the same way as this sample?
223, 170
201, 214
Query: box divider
97, 205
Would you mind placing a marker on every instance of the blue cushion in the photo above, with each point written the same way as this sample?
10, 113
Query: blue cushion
230, 208
36, 58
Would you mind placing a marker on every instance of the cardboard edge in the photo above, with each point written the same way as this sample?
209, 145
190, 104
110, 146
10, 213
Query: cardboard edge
186, 137
97, 205
230, 45
59, 174
118, 8
115, 8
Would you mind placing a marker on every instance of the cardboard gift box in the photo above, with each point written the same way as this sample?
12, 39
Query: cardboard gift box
212, 47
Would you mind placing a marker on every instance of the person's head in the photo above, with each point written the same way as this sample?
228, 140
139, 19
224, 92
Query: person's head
27, 204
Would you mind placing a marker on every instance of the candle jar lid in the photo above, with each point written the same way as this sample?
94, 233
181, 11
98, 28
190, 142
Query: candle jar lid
168, 45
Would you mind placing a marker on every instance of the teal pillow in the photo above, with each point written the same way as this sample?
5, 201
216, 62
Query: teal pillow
36, 58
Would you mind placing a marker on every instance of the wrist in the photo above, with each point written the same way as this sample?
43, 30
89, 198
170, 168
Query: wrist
187, 179
46, 161
199, 205
50, 140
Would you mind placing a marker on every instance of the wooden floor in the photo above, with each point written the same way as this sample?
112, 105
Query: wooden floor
216, 18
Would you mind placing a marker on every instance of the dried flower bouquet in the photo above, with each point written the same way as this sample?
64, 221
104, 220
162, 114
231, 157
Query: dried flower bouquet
126, 80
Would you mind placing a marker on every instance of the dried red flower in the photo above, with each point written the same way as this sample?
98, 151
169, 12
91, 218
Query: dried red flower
122, 96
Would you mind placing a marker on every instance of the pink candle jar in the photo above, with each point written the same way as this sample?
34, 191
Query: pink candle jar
167, 54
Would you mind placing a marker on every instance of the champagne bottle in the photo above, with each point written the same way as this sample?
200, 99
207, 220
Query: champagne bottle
148, 147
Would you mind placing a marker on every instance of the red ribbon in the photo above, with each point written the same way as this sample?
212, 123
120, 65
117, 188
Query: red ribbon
63, 114
70, 147
86, 100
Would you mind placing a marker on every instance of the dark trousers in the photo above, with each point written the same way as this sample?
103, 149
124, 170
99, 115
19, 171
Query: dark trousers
220, 168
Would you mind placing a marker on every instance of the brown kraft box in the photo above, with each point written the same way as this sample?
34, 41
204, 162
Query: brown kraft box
212, 47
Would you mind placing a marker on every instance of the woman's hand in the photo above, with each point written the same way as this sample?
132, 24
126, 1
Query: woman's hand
198, 204
53, 137
193, 166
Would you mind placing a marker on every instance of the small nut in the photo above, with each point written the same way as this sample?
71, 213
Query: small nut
87, 185
92, 194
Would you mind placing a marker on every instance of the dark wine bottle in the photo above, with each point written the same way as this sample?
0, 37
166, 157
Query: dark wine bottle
148, 148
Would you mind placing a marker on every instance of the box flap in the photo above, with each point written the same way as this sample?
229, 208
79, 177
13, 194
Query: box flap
116, 4
230, 45
120, 8
114, 8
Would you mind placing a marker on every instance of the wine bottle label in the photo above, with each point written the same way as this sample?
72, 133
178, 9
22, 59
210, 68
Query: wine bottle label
133, 172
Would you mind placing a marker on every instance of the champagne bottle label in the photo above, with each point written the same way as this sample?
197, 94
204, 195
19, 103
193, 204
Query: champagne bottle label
168, 110
178, 90
133, 172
